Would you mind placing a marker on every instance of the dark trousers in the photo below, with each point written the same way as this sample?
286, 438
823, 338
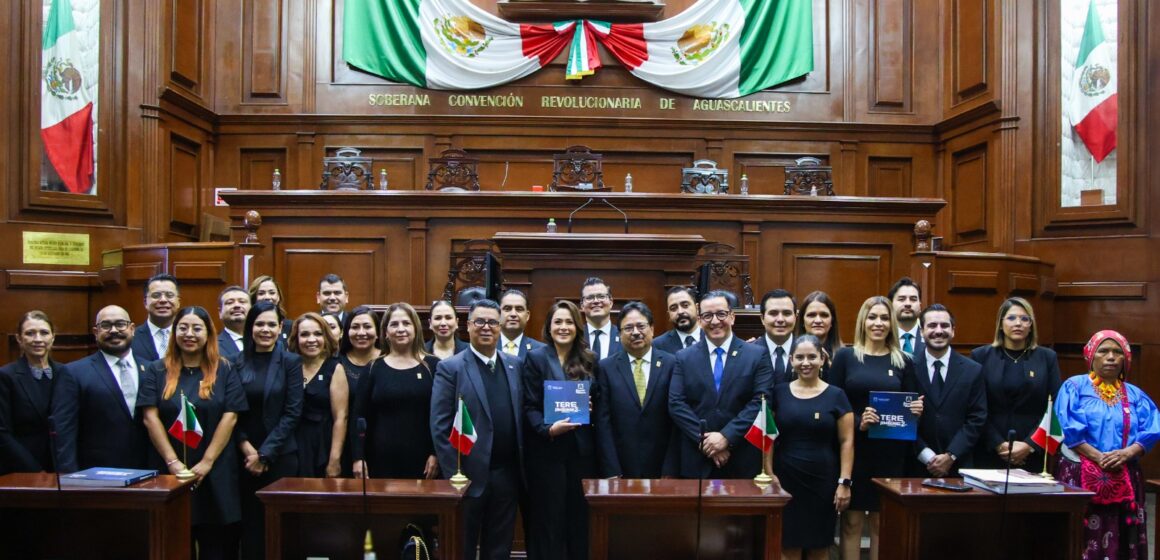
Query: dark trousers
215, 542
253, 514
490, 519
559, 513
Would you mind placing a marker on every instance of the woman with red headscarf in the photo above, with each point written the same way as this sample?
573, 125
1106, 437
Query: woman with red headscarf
1110, 424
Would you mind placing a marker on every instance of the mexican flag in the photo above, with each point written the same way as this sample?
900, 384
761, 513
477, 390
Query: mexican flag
763, 428
186, 428
717, 48
1093, 104
66, 112
462, 430
445, 44
1048, 435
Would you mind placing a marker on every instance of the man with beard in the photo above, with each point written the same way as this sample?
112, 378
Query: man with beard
94, 401
955, 407
718, 384
596, 304
514, 315
332, 296
778, 316
233, 304
681, 302
162, 300
906, 298
635, 435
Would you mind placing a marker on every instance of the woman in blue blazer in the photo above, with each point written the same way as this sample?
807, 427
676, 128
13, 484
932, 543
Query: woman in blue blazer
272, 382
25, 395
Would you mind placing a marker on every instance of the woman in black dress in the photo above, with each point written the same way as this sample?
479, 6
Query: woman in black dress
814, 451
25, 394
193, 370
272, 381
817, 315
265, 288
322, 429
360, 344
561, 454
1019, 375
395, 400
875, 363
334, 325
445, 328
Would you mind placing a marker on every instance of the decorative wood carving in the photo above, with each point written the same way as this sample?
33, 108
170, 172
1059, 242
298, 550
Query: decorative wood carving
453, 171
604, 10
922, 236
578, 170
468, 267
705, 178
347, 170
251, 221
727, 269
808, 176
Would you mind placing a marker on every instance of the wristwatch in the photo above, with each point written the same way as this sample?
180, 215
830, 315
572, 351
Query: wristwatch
845, 482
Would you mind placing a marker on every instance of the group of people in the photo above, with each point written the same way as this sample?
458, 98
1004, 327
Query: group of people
352, 393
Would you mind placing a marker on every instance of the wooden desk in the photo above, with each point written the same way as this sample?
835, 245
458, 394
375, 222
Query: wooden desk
919, 522
147, 520
658, 519
324, 516
1152, 486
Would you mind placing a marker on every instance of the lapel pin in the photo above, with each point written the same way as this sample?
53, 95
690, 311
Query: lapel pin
658, 363
890, 372
528, 346
1032, 373
734, 354
817, 416
418, 375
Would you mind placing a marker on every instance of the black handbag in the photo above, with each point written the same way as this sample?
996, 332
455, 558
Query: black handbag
413, 543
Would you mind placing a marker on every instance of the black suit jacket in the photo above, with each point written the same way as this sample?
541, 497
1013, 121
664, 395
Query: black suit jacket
143, 348
457, 376
1022, 410
787, 375
94, 427
613, 339
540, 365
227, 348
635, 440
24, 426
672, 341
460, 346
952, 422
693, 397
281, 402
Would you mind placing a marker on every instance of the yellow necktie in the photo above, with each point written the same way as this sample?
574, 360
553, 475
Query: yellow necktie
638, 377
510, 348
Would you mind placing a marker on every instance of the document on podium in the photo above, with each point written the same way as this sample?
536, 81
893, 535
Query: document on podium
566, 399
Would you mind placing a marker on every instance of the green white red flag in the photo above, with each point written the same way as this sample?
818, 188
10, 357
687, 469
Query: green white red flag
763, 431
186, 428
1094, 99
463, 430
66, 112
1049, 434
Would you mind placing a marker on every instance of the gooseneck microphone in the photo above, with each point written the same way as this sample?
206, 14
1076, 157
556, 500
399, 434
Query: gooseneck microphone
703, 427
52, 451
606, 203
361, 428
1006, 482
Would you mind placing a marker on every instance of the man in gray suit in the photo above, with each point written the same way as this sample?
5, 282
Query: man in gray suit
488, 381
514, 315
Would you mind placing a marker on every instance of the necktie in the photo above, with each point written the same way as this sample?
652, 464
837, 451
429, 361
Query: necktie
510, 348
162, 342
779, 363
638, 377
491, 365
936, 384
908, 343
128, 384
596, 343
689, 340
718, 367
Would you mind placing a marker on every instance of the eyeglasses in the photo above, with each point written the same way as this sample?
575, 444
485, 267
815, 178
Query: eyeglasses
638, 327
107, 326
159, 295
481, 323
720, 315
1018, 318
596, 297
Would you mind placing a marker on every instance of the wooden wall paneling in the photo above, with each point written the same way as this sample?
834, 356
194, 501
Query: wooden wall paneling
256, 167
970, 57
766, 171
264, 25
829, 267
363, 263
969, 188
63, 295
890, 47
184, 167
889, 177
189, 41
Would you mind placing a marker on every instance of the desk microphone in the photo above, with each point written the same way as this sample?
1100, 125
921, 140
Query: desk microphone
607, 203
1006, 482
52, 452
361, 428
703, 427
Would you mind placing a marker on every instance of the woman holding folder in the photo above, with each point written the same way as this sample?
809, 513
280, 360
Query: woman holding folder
562, 453
193, 371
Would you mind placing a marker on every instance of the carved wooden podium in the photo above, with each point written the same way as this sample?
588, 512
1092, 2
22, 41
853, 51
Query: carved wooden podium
150, 519
919, 522
324, 516
631, 519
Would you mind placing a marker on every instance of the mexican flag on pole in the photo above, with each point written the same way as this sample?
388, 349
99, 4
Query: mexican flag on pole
445, 44
763, 428
462, 430
66, 112
717, 49
1094, 100
1049, 434
186, 428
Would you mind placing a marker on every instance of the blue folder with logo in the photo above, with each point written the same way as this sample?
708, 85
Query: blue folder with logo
896, 421
566, 399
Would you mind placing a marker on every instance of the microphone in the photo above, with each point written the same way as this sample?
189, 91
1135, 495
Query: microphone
607, 203
703, 427
361, 428
52, 451
505, 175
1006, 481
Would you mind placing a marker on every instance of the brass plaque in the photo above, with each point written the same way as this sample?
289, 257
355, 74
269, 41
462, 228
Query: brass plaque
42, 247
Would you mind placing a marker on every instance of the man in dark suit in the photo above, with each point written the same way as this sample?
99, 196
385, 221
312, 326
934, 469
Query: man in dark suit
514, 315
162, 300
778, 316
681, 303
906, 298
956, 399
94, 401
718, 383
332, 296
488, 381
233, 304
596, 304
635, 434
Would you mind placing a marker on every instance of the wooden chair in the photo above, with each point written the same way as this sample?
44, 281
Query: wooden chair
468, 269
808, 177
347, 170
453, 171
704, 178
578, 170
721, 267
